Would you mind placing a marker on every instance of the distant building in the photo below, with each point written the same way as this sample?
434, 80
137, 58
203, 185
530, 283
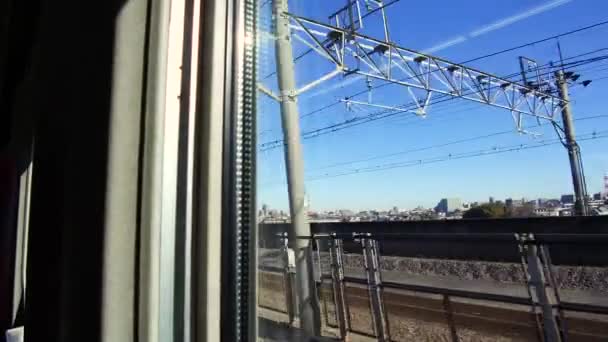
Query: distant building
567, 199
551, 203
491, 200
597, 197
542, 202
448, 205
511, 203
418, 210
546, 212
346, 213
273, 213
468, 205
532, 204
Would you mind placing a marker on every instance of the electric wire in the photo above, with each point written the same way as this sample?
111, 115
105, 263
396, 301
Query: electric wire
546, 65
333, 104
391, 112
462, 155
445, 144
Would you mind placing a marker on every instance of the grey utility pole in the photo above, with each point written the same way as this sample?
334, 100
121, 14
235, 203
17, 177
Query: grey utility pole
574, 152
306, 288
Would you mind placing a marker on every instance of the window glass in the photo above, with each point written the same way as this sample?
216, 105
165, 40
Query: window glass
432, 172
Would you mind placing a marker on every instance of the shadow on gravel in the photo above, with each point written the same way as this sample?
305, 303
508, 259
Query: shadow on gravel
276, 331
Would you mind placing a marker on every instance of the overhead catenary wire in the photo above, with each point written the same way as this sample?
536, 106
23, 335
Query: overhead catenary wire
387, 113
333, 104
597, 68
599, 79
564, 34
596, 135
463, 155
350, 123
316, 132
542, 67
309, 50
445, 144
413, 120
602, 67
496, 53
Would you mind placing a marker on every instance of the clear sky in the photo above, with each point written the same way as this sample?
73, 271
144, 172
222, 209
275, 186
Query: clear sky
457, 31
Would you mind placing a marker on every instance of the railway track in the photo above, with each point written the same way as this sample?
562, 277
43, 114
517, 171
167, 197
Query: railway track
418, 315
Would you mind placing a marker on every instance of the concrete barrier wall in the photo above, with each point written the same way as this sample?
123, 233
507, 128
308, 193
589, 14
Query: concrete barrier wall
592, 253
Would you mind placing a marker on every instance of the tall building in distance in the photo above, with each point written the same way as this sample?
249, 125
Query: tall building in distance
605, 193
448, 205
567, 199
512, 203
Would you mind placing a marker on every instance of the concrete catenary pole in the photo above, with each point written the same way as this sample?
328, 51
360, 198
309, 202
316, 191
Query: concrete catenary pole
305, 285
574, 153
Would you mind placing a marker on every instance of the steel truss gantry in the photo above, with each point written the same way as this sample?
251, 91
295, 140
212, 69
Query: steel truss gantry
422, 75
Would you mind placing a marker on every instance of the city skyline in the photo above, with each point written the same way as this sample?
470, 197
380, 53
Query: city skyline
430, 205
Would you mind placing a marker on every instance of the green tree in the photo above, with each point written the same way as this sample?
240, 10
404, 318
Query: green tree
526, 210
488, 210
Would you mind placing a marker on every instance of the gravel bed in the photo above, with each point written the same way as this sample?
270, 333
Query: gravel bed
585, 278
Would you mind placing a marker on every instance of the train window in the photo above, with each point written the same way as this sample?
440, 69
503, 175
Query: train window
289, 170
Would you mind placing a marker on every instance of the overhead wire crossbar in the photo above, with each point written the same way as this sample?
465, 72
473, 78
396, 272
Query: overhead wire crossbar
387, 111
422, 75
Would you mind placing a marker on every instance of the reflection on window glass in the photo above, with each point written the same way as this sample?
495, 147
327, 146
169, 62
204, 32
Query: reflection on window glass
432, 172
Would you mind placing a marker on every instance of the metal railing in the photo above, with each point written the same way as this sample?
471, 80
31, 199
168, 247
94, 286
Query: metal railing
544, 300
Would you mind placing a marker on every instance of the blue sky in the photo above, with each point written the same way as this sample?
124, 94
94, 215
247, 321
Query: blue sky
457, 31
